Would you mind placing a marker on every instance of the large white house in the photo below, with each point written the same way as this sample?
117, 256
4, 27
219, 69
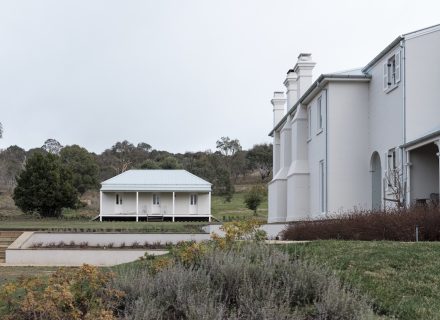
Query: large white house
364, 138
147, 194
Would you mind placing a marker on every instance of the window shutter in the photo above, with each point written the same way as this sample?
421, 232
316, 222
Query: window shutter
385, 76
397, 59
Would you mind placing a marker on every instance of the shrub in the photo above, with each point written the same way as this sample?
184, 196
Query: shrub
83, 293
252, 281
395, 225
254, 198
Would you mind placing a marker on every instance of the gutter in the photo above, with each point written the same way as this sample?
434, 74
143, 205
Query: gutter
421, 139
383, 53
316, 85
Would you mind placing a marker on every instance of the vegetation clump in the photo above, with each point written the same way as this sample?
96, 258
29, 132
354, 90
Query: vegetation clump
226, 279
421, 223
82, 293
249, 281
254, 198
45, 186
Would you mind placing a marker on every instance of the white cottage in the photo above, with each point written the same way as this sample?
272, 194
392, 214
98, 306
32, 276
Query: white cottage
364, 138
147, 194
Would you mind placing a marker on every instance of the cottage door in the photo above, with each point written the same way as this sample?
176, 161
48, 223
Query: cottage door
193, 204
118, 205
155, 209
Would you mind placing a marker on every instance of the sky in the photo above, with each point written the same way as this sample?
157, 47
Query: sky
177, 74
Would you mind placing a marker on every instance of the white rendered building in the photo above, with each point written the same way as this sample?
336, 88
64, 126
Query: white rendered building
147, 194
365, 138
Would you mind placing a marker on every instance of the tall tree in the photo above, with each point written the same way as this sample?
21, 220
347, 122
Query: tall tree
123, 151
144, 146
150, 164
12, 161
228, 146
83, 166
238, 164
170, 163
260, 158
52, 146
45, 186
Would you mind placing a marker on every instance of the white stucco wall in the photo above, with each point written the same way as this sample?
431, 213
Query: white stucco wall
277, 208
316, 148
386, 117
348, 155
422, 85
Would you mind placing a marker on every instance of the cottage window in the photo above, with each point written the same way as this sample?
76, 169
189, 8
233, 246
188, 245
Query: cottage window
319, 115
118, 199
156, 199
193, 199
391, 72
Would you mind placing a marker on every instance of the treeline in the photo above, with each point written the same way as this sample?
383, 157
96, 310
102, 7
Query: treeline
222, 167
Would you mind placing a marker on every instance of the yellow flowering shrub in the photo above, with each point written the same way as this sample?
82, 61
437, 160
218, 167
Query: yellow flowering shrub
81, 293
240, 230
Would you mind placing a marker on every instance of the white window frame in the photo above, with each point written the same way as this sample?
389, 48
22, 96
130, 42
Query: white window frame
392, 71
118, 199
193, 199
319, 117
321, 185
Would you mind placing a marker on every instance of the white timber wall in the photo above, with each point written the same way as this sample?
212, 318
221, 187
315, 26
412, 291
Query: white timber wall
182, 203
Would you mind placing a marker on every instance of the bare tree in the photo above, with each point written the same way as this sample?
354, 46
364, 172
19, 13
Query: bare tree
395, 187
1, 130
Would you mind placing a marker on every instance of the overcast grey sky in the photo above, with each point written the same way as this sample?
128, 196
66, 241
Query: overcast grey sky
177, 74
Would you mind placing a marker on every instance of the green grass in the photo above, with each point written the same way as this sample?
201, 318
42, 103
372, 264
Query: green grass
400, 279
8, 274
58, 225
236, 209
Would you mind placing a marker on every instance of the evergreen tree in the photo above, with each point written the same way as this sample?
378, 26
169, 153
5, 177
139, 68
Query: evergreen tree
45, 186
83, 166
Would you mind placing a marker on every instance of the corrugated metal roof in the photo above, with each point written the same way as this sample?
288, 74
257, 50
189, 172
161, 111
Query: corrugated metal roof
156, 180
353, 72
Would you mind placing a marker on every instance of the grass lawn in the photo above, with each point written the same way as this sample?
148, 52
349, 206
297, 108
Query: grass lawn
236, 209
8, 274
400, 279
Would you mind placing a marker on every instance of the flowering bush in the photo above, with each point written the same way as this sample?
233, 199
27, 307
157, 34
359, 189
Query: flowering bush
82, 293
